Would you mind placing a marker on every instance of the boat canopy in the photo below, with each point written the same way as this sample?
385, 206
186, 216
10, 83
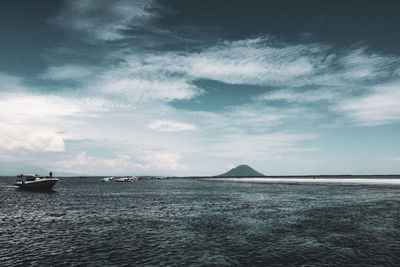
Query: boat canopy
31, 176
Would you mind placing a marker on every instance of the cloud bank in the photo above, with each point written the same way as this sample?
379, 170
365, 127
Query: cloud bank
133, 107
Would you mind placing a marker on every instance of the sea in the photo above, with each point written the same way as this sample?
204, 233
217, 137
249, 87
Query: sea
198, 222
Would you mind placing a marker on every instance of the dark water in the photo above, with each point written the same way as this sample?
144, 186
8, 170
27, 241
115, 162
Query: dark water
181, 222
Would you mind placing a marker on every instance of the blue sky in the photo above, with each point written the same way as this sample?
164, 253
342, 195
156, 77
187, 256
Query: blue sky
93, 87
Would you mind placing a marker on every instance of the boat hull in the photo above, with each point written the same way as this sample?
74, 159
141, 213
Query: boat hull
41, 185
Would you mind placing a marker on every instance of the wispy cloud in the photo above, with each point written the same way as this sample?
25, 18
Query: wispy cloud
68, 72
140, 87
104, 20
253, 146
379, 106
170, 126
266, 62
299, 96
362, 65
10, 83
301, 73
304, 73
253, 61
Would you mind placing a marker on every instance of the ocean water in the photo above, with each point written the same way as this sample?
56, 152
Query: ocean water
186, 222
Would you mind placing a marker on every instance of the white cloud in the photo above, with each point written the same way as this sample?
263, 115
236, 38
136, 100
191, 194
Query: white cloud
141, 77
250, 61
137, 89
171, 76
31, 139
27, 107
33, 122
10, 83
83, 160
119, 141
261, 61
361, 64
150, 162
380, 106
166, 161
170, 126
299, 96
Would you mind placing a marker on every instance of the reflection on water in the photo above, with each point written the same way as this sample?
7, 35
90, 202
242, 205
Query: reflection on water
193, 222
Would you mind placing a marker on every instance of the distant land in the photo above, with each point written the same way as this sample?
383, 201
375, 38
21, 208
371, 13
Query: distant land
242, 171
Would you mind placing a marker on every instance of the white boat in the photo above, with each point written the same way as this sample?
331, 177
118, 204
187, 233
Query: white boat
123, 179
107, 179
127, 179
35, 182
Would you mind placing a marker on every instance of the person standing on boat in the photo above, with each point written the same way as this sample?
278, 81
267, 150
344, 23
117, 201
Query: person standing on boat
51, 174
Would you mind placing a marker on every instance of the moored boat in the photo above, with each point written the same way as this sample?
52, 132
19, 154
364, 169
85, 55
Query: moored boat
107, 179
123, 179
35, 182
127, 179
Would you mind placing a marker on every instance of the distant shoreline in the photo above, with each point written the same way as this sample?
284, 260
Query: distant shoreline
316, 180
341, 176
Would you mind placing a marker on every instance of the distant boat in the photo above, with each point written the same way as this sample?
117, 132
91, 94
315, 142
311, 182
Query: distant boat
107, 179
127, 179
35, 182
123, 179
158, 177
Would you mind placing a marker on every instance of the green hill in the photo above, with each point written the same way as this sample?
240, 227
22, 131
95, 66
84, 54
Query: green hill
241, 171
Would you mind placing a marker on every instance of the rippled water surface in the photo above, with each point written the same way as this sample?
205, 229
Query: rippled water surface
181, 222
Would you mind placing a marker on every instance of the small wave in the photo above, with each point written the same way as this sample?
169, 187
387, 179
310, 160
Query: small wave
56, 214
9, 186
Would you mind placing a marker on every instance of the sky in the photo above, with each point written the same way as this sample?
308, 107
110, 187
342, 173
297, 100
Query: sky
177, 87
